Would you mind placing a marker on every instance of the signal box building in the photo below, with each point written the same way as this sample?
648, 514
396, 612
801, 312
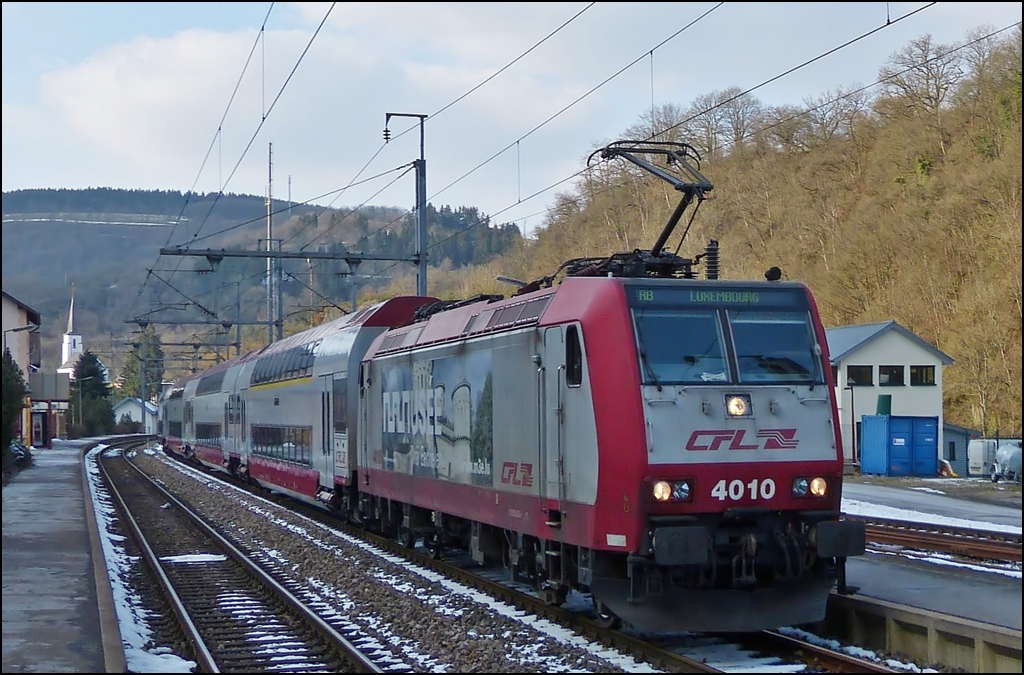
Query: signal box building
884, 360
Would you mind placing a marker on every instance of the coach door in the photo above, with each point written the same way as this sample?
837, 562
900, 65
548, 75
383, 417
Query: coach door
339, 420
324, 457
235, 433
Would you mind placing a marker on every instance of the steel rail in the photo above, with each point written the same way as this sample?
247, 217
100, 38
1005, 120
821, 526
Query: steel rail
821, 656
960, 541
360, 660
205, 659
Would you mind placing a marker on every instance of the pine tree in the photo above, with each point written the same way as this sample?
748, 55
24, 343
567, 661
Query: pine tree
14, 391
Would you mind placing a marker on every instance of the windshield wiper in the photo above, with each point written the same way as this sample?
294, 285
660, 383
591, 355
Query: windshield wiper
643, 354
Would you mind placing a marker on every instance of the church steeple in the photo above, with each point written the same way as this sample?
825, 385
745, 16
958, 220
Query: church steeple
71, 346
71, 312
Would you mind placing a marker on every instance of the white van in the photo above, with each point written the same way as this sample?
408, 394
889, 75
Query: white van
981, 455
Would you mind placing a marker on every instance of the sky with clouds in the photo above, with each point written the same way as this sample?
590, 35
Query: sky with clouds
131, 95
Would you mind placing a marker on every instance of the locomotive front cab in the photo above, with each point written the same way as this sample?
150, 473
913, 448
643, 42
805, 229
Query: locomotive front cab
744, 466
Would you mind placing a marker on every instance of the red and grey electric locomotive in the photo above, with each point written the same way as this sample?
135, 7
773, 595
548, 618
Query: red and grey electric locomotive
668, 444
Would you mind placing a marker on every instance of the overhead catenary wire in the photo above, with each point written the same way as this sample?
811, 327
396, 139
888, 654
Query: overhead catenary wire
516, 142
259, 127
196, 237
266, 114
216, 138
889, 22
285, 209
576, 101
454, 102
356, 209
806, 63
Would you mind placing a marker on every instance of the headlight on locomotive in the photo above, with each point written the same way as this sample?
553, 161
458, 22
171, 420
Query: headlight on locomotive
738, 405
678, 491
800, 487
814, 487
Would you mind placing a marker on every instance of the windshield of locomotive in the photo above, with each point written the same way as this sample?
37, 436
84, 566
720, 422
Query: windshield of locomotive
687, 334
774, 347
680, 346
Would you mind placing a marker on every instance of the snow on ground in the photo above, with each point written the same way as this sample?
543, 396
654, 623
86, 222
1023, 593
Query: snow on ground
857, 652
928, 489
1012, 570
132, 617
868, 509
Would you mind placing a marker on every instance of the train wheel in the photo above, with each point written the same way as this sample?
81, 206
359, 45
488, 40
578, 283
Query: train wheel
605, 617
407, 537
433, 543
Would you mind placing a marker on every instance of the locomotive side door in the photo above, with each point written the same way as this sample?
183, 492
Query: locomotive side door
552, 415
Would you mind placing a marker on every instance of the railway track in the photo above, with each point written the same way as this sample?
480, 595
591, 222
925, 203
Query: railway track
235, 616
688, 654
970, 543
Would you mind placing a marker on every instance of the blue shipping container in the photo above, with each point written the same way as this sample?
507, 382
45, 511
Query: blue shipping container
899, 445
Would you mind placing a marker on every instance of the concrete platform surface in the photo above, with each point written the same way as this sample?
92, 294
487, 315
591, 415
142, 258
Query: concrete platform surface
51, 620
979, 596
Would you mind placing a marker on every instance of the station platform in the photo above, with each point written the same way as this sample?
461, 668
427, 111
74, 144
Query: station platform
57, 606
958, 591
937, 585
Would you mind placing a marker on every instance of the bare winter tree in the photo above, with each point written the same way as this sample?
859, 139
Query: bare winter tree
664, 123
922, 77
835, 113
742, 114
706, 125
787, 128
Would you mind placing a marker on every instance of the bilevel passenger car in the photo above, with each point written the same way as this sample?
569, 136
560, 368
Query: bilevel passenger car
668, 444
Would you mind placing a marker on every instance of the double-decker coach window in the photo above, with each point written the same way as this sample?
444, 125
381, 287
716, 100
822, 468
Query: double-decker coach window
287, 443
679, 346
208, 434
774, 347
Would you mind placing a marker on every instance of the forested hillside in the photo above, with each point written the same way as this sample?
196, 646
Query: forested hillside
107, 241
900, 201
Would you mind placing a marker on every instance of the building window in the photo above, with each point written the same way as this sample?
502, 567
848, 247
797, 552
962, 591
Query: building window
835, 374
922, 376
860, 376
951, 454
890, 376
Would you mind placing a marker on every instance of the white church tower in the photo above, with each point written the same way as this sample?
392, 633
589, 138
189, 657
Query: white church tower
71, 347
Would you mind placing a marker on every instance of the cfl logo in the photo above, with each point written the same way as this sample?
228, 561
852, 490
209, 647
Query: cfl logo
733, 439
520, 474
